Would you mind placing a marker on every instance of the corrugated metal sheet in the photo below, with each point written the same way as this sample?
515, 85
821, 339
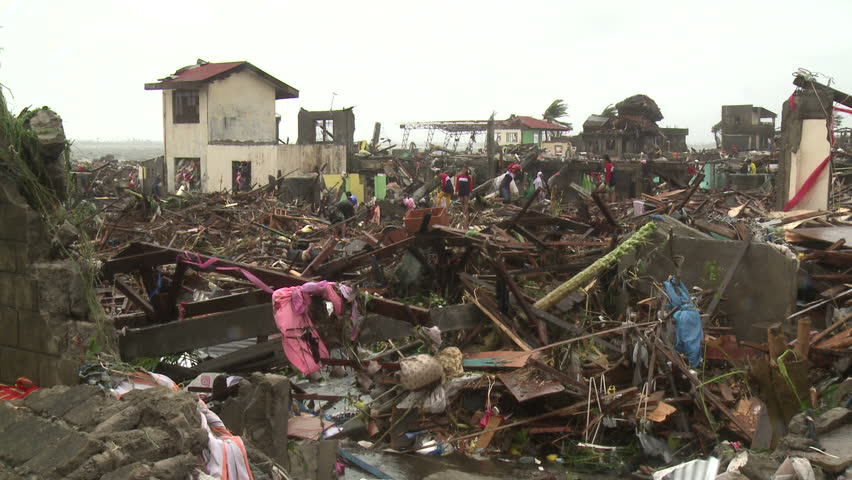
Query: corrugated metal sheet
694, 470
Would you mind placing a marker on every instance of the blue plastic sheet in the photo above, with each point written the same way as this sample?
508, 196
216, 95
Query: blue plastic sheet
688, 330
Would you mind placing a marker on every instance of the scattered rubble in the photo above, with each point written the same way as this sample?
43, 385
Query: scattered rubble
688, 327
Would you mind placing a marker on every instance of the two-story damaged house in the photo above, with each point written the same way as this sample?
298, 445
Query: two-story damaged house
746, 127
521, 130
221, 129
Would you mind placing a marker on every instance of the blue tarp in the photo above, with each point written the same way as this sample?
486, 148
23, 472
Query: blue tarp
688, 330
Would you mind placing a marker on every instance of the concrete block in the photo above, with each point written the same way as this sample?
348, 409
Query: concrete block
57, 371
8, 256
8, 284
35, 335
8, 327
14, 220
27, 293
18, 363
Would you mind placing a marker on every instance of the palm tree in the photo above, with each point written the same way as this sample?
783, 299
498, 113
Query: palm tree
555, 111
610, 111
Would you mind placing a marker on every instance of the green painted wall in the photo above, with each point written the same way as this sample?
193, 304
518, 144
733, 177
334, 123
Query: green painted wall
527, 137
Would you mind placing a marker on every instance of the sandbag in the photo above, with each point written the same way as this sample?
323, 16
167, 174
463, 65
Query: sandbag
452, 362
420, 371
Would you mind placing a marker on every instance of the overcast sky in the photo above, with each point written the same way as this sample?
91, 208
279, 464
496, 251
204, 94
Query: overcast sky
399, 61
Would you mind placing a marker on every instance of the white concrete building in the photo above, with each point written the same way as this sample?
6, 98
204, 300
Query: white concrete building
220, 129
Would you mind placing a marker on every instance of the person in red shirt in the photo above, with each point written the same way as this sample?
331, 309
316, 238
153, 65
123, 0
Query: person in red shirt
609, 177
464, 186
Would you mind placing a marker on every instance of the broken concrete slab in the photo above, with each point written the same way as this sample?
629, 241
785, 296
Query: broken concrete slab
761, 291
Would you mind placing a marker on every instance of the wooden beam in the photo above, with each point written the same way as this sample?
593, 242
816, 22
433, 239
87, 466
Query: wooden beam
322, 257
198, 332
136, 298
355, 261
540, 327
228, 302
229, 361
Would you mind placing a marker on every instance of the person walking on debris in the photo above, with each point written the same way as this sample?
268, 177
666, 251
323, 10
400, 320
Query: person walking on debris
609, 177
506, 182
538, 184
464, 185
445, 196
155, 189
752, 167
352, 199
552, 186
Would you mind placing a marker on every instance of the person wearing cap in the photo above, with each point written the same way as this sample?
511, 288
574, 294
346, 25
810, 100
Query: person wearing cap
506, 182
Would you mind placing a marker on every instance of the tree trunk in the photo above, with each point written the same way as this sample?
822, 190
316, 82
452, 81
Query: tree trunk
596, 269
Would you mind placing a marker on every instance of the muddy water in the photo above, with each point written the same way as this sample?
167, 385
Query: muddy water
417, 467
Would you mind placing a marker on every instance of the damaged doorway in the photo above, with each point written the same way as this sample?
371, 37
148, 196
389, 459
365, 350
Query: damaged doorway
240, 176
188, 174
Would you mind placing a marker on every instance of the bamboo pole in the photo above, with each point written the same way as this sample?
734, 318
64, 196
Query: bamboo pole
596, 269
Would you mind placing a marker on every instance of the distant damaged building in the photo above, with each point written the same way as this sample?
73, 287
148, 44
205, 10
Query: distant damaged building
222, 133
631, 129
747, 127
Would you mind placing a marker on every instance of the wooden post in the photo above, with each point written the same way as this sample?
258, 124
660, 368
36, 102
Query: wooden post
803, 338
489, 148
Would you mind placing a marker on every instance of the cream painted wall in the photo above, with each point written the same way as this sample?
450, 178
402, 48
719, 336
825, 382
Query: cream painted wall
813, 149
503, 137
184, 140
268, 160
219, 164
241, 107
307, 158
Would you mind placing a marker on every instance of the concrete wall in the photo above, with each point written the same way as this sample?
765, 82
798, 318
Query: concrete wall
308, 158
813, 150
241, 108
268, 160
44, 323
184, 140
219, 164
762, 290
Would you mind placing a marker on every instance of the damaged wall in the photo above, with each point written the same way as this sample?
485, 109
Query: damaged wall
45, 324
44, 321
761, 292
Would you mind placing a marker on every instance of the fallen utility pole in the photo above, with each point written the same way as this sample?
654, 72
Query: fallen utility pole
597, 268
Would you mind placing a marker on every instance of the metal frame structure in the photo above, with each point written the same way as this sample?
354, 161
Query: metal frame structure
454, 129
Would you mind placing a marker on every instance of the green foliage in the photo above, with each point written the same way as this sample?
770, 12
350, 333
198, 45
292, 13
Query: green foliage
556, 110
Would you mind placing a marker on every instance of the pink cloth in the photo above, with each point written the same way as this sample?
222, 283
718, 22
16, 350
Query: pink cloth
298, 334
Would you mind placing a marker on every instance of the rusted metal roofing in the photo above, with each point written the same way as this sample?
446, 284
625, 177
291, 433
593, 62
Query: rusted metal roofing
194, 76
532, 124
198, 73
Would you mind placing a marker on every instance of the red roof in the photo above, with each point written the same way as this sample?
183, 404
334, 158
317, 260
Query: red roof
197, 73
532, 124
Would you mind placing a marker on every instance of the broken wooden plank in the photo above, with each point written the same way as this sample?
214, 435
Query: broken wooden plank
198, 332
541, 329
330, 245
136, 298
502, 326
359, 260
